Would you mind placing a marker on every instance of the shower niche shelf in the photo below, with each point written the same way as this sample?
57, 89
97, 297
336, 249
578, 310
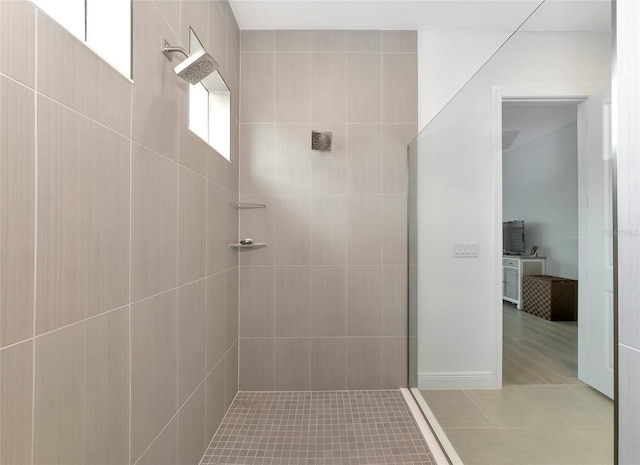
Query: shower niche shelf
243, 205
255, 245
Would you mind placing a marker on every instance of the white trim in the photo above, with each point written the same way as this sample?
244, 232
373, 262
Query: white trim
436, 380
433, 444
436, 429
512, 94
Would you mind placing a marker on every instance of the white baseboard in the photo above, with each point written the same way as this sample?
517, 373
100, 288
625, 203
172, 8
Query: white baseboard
438, 380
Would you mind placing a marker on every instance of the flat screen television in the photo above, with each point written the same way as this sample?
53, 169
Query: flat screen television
513, 237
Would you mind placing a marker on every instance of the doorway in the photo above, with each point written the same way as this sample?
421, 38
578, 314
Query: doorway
540, 237
557, 173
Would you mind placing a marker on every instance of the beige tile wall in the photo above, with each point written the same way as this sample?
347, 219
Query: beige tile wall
118, 294
324, 305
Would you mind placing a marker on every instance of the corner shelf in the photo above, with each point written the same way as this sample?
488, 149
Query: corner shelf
247, 205
255, 245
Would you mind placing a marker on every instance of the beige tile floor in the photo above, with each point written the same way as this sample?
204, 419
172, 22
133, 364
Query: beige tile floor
564, 423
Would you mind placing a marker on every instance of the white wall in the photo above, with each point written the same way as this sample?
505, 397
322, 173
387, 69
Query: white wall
446, 61
460, 324
540, 186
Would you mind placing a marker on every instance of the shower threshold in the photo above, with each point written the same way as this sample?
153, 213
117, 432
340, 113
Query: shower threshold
321, 427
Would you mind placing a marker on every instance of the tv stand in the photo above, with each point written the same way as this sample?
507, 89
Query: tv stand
514, 268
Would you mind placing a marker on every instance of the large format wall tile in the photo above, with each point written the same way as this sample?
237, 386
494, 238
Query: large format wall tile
400, 41
328, 88
328, 230
395, 139
399, 88
72, 74
292, 368
82, 392
107, 387
335, 226
192, 428
258, 41
394, 303
364, 162
364, 41
154, 368
288, 40
232, 307
327, 40
154, 221
258, 165
364, 363
292, 160
83, 217
257, 88
130, 205
292, 92
60, 396
17, 41
216, 319
364, 89
157, 92
192, 336
328, 290
170, 11
16, 389
232, 378
215, 398
292, 299
394, 230
218, 37
394, 362
164, 450
17, 190
256, 363
364, 300
256, 301
292, 234
192, 226
194, 14
328, 364
364, 230
216, 232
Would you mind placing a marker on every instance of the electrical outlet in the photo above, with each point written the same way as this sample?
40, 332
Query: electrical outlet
465, 249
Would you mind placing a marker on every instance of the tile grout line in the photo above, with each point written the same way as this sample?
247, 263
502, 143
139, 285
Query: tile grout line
347, 198
130, 270
35, 242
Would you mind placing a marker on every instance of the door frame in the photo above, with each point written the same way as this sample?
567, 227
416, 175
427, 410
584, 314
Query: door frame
500, 94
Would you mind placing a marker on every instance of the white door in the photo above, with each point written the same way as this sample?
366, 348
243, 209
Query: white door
595, 277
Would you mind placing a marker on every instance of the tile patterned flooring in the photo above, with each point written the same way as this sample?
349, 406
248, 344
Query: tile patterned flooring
542, 416
318, 427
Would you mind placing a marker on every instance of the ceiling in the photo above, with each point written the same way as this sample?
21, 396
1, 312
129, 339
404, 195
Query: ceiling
525, 122
445, 15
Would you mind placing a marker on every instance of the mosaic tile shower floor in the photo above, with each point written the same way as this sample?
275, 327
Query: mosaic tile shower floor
318, 427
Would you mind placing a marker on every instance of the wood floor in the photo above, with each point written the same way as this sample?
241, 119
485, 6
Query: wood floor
538, 351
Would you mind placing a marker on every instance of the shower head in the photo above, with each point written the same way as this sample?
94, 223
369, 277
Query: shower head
196, 67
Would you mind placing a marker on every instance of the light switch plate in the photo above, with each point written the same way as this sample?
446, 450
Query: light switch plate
465, 249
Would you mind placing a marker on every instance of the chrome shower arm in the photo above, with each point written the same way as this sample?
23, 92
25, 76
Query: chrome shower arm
168, 49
